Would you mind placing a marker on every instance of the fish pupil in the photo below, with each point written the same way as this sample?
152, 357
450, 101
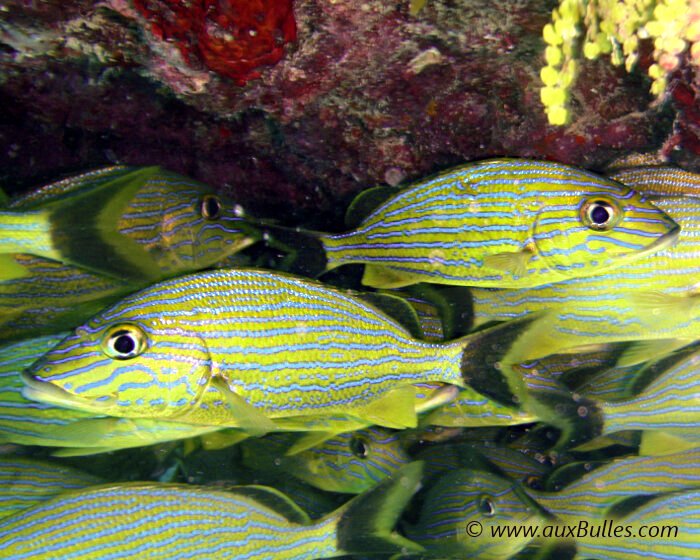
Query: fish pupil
124, 344
359, 448
487, 507
600, 215
211, 207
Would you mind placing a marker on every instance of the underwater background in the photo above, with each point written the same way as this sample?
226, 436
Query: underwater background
291, 108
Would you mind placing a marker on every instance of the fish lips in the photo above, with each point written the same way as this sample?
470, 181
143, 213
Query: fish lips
48, 393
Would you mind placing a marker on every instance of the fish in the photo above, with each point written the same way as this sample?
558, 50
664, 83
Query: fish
587, 490
658, 179
26, 482
665, 527
459, 511
665, 397
466, 500
659, 396
349, 463
505, 223
157, 520
127, 223
651, 302
26, 422
255, 350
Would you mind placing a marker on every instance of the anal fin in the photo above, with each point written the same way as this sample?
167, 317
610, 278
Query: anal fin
384, 277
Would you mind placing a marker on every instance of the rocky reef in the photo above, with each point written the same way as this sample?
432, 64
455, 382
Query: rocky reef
294, 106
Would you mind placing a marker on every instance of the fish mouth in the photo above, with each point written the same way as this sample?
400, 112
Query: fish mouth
48, 393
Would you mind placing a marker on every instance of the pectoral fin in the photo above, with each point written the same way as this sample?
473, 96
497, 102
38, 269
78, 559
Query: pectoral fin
384, 277
309, 441
514, 263
646, 350
222, 439
247, 417
662, 443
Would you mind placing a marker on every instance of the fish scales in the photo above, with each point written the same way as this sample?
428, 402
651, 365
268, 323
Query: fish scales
670, 403
445, 229
150, 520
288, 347
25, 482
209, 525
661, 180
651, 298
597, 491
674, 516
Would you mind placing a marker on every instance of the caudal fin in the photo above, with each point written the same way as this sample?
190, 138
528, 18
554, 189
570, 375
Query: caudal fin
366, 524
483, 359
486, 367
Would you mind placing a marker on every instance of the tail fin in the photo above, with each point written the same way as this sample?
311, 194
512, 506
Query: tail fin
483, 359
366, 523
486, 369
306, 254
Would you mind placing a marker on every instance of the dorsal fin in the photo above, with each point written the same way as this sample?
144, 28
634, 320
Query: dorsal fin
69, 186
396, 308
365, 203
275, 500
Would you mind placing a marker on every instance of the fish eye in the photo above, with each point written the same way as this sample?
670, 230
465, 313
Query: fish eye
600, 215
486, 506
211, 207
123, 342
359, 447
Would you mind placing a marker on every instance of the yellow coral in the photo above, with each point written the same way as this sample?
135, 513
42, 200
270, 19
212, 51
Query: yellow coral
614, 27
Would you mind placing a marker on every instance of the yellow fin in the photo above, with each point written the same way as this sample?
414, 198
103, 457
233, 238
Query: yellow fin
248, 418
663, 443
662, 304
10, 269
395, 409
309, 441
513, 263
439, 397
379, 276
222, 439
645, 350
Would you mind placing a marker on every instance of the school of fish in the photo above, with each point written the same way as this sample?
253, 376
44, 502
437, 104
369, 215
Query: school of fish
498, 361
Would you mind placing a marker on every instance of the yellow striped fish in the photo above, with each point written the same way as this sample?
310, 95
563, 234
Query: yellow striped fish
460, 510
26, 482
658, 180
166, 521
653, 298
478, 514
80, 433
127, 223
502, 223
349, 463
255, 350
